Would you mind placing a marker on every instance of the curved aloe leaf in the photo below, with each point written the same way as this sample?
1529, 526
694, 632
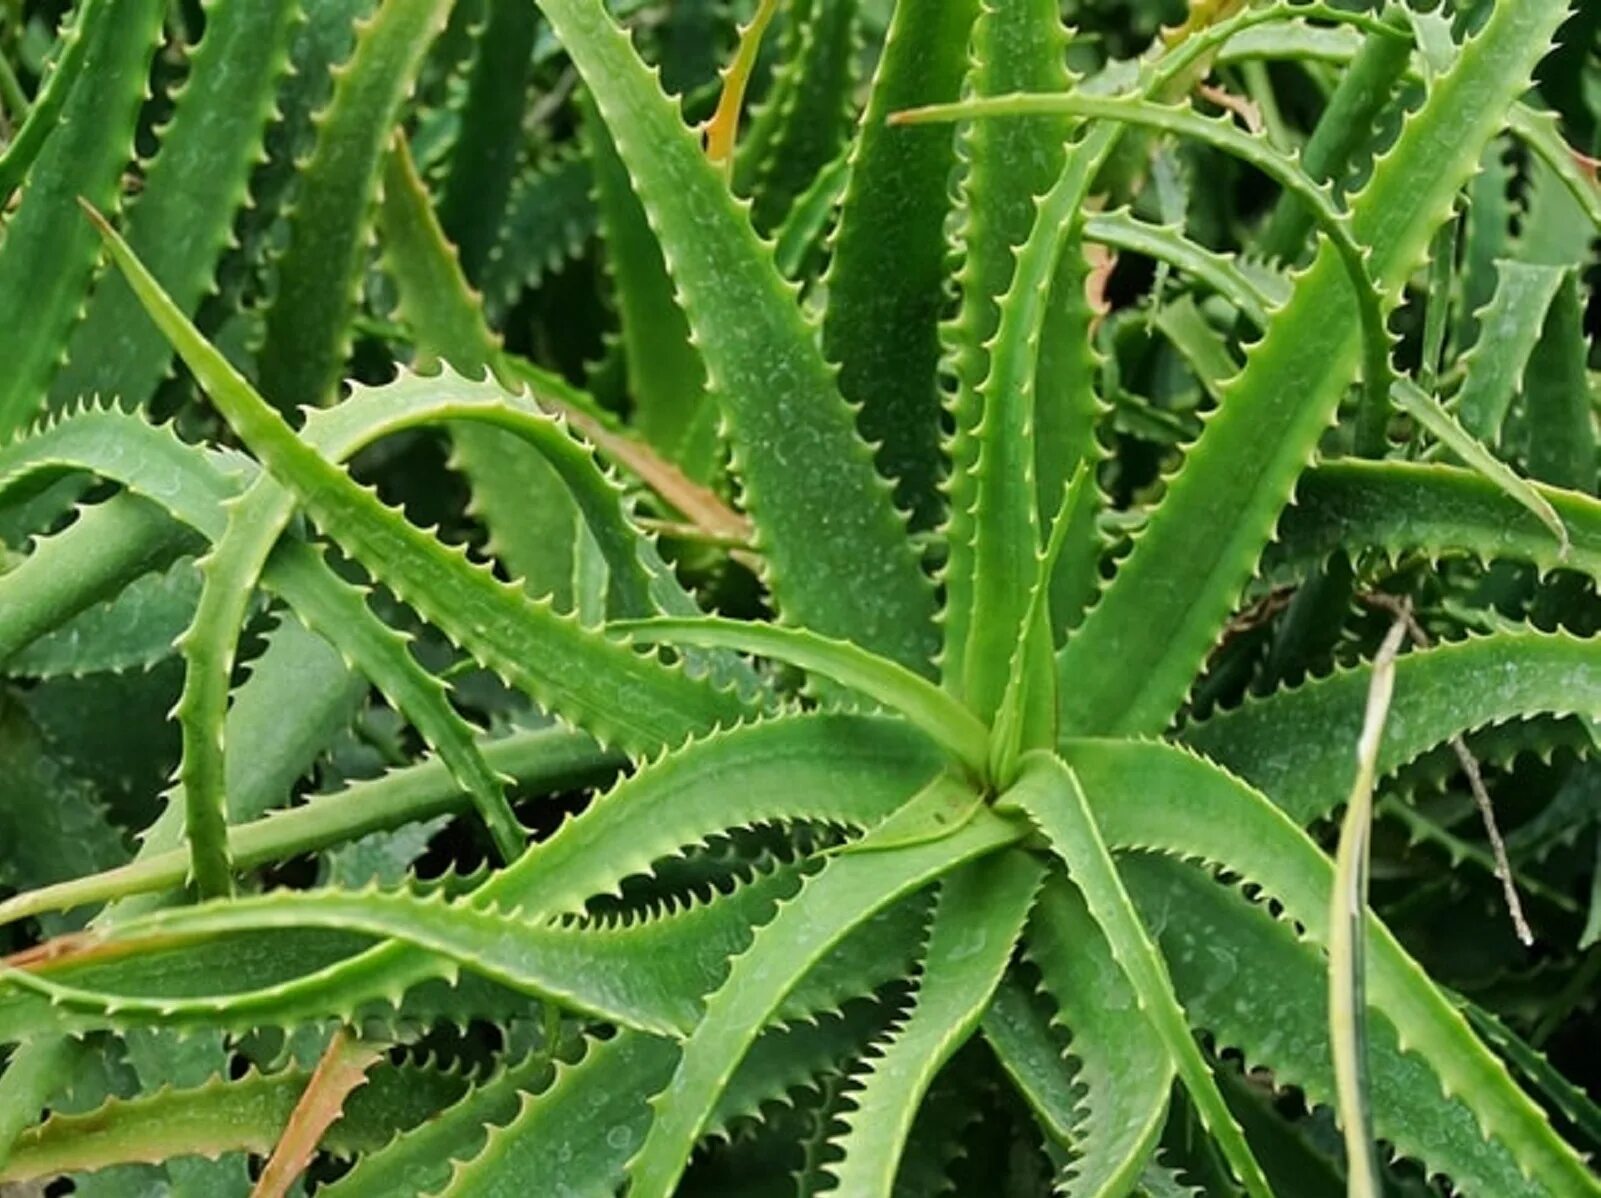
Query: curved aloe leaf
89, 562
547, 760
846, 771
1440, 693
648, 975
922, 703
1401, 507
242, 1115
636, 702
133, 631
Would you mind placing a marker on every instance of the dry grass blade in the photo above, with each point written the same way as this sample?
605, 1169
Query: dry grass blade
342, 1069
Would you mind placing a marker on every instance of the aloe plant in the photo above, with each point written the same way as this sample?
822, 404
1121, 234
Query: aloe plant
803, 635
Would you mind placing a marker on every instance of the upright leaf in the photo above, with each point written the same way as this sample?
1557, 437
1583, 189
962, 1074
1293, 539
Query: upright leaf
307, 323
836, 553
184, 214
886, 280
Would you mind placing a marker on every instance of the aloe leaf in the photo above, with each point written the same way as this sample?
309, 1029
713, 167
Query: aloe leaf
1509, 328
778, 770
1344, 130
1442, 692
666, 379
1016, 47
419, 1158
978, 917
1436, 510
1262, 991
1184, 805
1125, 1074
1188, 566
255, 521
844, 893
798, 242
497, 1140
1427, 411
48, 257
107, 547
848, 771
550, 217
483, 163
1575, 1105
329, 605
134, 630
594, 1112
299, 694
1540, 132
636, 701
44, 112
527, 463
885, 277
923, 704
1221, 134
1005, 516
1027, 715
600, 971
322, 42
186, 482
307, 323
1189, 331
340, 613
34, 1074
52, 820
1562, 437
1017, 362
814, 117
795, 446
184, 213
1050, 795
531, 518
220, 1116
1221, 272
1026, 1049
547, 760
